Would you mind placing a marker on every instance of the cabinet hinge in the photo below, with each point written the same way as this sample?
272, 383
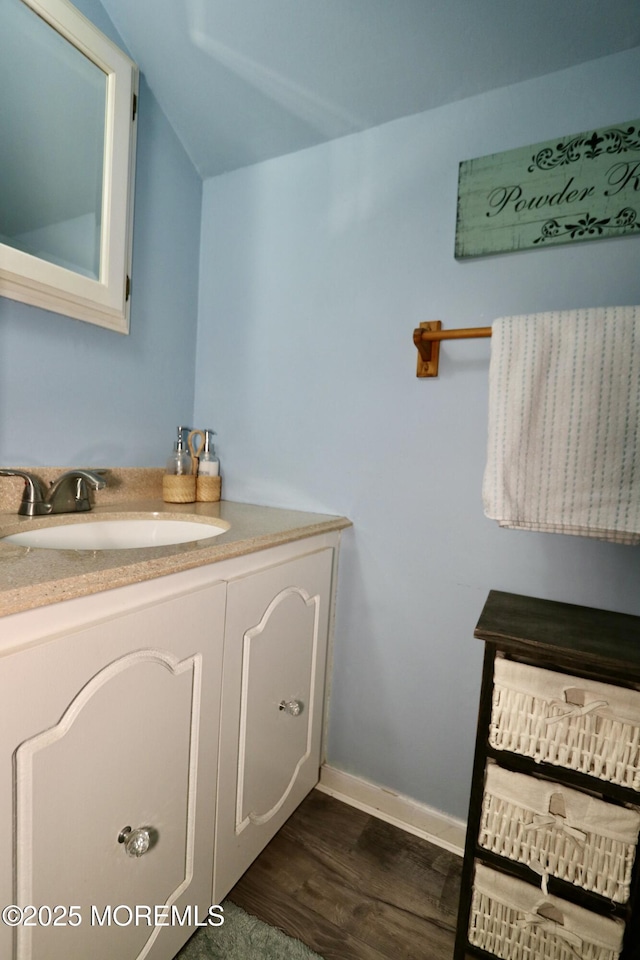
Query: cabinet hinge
135, 106
127, 290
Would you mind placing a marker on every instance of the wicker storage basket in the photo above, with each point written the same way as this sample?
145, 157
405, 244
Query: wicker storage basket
512, 920
591, 844
554, 718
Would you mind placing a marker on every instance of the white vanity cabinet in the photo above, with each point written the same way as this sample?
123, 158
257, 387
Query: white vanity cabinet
188, 708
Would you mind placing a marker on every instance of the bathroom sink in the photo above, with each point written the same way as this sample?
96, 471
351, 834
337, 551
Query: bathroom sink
116, 534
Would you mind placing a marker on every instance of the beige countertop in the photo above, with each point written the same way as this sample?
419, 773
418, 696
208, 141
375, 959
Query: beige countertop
31, 577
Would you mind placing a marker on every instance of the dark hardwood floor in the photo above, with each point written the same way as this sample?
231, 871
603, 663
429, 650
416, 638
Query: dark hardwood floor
353, 887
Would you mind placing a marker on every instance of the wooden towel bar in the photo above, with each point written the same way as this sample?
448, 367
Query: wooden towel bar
427, 339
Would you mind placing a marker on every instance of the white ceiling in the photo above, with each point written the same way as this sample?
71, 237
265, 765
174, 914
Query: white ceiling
245, 80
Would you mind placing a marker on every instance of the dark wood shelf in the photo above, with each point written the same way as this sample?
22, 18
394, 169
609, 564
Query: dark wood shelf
582, 636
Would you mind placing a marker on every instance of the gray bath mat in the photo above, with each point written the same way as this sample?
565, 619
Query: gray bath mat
243, 937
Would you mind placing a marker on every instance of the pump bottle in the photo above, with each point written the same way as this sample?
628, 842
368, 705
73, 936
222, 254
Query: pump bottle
179, 464
209, 465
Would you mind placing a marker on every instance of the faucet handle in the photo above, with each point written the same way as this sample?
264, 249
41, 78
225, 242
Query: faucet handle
32, 504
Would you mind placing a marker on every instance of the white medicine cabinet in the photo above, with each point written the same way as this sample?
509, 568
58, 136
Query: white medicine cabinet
67, 151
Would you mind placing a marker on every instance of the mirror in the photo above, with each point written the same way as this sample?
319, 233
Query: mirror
67, 116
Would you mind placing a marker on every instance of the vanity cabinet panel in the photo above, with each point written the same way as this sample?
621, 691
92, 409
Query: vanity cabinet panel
551, 867
112, 725
276, 632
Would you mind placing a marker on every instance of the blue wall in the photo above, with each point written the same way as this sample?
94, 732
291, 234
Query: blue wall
72, 393
315, 268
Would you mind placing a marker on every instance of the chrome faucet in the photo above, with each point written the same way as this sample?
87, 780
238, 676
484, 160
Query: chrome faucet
68, 494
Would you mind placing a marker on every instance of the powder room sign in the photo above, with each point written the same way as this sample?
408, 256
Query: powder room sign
584, 187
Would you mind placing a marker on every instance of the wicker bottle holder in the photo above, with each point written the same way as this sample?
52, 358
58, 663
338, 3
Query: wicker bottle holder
178, 489
208, 489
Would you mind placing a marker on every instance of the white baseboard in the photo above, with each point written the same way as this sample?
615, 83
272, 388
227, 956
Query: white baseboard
416, 818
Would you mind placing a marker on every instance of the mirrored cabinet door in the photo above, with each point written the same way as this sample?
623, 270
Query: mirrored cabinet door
67, 105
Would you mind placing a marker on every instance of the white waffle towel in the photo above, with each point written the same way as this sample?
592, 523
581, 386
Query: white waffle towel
563, 451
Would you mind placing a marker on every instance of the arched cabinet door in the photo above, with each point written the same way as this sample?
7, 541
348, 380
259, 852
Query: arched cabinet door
113, 781
279, 658
272, 705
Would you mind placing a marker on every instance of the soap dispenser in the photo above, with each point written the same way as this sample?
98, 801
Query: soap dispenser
179, 463
209, 485
209, 465
179, 483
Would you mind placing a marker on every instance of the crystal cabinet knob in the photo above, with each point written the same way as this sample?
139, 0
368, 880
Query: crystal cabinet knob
136, 842
292, 707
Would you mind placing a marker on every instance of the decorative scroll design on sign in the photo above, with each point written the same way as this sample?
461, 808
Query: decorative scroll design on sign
588, 226
589, 146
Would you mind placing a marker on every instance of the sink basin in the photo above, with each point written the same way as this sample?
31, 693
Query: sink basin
116, 534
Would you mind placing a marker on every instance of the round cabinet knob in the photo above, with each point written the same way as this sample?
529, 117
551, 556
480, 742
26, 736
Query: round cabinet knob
292, 707
136, 842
